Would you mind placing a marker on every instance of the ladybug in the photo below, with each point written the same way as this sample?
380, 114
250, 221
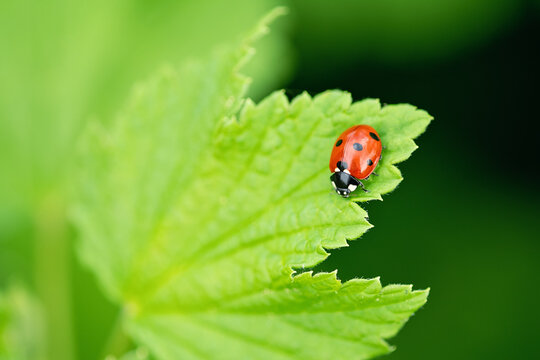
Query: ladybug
355, 155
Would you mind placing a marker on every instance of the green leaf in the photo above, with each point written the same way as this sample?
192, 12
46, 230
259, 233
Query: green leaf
21, 326
198, 206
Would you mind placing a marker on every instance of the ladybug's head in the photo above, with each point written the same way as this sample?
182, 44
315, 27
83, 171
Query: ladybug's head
344, 182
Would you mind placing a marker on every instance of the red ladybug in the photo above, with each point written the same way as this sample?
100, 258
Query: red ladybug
355, 155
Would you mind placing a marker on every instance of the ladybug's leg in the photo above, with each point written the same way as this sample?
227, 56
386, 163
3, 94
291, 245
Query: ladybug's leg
374, 174
363, 188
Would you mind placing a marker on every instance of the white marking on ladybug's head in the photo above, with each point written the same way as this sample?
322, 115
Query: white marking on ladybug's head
334, 185
352, 187
337, 170
347, 171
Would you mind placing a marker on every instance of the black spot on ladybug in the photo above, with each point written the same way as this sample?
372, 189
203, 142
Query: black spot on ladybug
342, 165
374, 136
369, 162
357, 146
339, 142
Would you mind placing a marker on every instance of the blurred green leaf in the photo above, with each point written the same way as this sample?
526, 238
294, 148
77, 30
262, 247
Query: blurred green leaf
197, 205
21, 326
64, 62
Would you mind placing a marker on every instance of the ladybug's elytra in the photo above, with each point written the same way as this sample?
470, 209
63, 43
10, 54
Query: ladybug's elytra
355, 155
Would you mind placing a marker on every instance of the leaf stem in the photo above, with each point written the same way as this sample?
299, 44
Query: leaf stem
118, 342
52, 275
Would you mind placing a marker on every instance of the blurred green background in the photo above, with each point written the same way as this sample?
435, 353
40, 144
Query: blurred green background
464, 221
